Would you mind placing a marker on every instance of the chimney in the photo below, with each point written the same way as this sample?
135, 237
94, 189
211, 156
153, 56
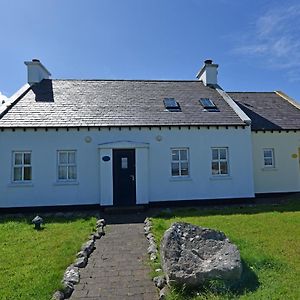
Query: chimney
209, 73
36, 72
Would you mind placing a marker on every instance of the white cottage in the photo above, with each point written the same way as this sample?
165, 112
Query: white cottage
128, 142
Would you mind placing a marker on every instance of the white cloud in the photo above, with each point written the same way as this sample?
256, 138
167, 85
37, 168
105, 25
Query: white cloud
275, 37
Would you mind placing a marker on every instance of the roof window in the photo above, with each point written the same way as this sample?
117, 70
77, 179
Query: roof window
171, 104
208, 104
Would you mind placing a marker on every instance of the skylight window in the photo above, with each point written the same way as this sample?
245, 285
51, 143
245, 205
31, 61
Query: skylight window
207, 103
171, 104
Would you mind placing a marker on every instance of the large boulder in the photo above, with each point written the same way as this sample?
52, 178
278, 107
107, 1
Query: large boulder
192, 255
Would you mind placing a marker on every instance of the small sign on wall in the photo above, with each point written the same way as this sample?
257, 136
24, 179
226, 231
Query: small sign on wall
106, 158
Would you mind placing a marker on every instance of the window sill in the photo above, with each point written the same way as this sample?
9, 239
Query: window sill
20, 184
220, 177
181, 178
66, 183
269, 169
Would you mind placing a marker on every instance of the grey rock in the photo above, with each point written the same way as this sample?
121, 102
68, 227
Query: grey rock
88, 247
72, 275
58, 295
192, 255
100, 231
153, 256
159, 281
81, 254
100, 223
68, 288
163, 293
152, 249
147, 230
97, 235
150, 236
81, 262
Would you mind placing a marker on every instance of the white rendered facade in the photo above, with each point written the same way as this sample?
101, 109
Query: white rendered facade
154, 181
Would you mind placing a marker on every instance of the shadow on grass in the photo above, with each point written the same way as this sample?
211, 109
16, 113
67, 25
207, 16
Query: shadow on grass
291, 204
216, 288
47, 217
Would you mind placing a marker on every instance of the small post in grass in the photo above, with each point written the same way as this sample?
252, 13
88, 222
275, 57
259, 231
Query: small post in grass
37, 221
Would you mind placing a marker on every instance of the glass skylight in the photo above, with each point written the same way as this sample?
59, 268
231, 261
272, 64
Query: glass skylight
171, 103
207, 103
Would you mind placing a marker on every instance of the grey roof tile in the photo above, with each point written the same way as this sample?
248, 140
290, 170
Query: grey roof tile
267, 110
73, 103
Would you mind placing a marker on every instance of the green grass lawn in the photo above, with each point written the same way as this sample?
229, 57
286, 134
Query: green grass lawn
268, 237
32, 262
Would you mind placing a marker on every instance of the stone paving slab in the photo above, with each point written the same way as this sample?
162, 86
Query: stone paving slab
118, 268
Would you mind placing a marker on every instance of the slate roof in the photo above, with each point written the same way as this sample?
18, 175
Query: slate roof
75, 103
268, 110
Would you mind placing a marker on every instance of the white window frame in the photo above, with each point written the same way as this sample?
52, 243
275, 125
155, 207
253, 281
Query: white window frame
272, 157
22, 165
180, 162
67, 165
219, 161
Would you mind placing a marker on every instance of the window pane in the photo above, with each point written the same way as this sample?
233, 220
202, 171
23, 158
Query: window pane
62, 157
27, 173
223, 167
215, 168
183, 154
18, 158
62, 172
175, 169
71, 157
184, 169
223, 153
17, 173
215, 154
124, 163
175, 154
72, 173
27, 158
268, 162
268, 153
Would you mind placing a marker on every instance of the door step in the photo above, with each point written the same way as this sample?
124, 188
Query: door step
124, 209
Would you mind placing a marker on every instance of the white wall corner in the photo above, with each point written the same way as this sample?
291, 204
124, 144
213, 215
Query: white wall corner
36, 71
234, 106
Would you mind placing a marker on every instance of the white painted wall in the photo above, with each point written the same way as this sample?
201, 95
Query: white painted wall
153, 165
285, 177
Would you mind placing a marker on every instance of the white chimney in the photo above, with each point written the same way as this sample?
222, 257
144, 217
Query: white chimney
209, 73
36, 71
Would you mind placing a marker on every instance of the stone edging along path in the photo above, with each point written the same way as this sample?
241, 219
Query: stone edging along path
72, 276
159, 281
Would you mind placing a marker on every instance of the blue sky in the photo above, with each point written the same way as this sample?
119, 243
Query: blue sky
255, 43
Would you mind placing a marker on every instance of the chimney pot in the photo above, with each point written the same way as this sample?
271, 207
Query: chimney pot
35, 60
208, 61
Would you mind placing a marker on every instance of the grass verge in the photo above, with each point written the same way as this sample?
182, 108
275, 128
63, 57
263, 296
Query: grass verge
268, 237
33, 262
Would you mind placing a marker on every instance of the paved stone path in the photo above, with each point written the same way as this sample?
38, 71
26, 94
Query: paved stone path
118, 268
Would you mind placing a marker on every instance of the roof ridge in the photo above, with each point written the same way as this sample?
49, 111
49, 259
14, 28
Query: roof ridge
253, 92
134, 80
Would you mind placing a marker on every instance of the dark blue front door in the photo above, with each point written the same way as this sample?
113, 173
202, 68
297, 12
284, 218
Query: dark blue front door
124, 188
